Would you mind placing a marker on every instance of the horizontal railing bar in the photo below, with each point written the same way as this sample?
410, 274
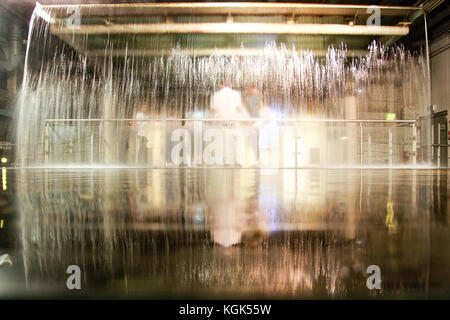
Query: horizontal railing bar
233, 120
210, 51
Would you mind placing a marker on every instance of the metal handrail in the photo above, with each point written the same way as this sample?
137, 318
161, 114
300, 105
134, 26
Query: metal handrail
232, 120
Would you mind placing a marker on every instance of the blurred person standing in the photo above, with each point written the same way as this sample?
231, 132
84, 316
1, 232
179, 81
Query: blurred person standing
253, 102
138, 142
227, 103
156, 137
257, 109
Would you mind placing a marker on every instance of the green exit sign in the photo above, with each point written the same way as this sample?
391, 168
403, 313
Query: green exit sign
390, 116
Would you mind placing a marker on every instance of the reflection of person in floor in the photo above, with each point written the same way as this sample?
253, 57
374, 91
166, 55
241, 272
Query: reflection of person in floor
256, 224
227, 219
235, 222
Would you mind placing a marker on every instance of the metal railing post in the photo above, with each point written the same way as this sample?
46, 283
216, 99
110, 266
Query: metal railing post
390, 148
46, 144
414, 144
361, 143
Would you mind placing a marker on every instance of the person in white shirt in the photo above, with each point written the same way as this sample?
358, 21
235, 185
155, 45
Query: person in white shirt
141, 138
141, 126
156, 140
227, 103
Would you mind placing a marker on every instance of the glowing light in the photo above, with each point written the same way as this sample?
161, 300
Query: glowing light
391, 222
4, 160
390, 116
1, 224
198, 217
4, 184
199, 114
359, 91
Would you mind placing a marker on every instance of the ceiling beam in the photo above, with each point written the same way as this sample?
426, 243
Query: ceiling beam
240, 28
223, 8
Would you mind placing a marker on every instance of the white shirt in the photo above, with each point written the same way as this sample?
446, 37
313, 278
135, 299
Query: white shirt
227, 104
141, 125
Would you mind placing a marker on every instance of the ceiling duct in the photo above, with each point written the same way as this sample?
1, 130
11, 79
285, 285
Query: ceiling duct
104, 21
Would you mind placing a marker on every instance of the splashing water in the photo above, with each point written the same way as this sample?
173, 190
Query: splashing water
60, 83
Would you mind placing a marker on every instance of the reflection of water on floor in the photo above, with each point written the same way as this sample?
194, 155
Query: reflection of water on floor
230, 232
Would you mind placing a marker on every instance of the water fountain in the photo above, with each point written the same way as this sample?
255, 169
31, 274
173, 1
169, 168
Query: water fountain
195, 225
88, 73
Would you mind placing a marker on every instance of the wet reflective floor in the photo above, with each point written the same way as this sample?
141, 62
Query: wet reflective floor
225, 233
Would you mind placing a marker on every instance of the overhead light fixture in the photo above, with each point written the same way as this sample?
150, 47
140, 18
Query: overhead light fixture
251, 28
